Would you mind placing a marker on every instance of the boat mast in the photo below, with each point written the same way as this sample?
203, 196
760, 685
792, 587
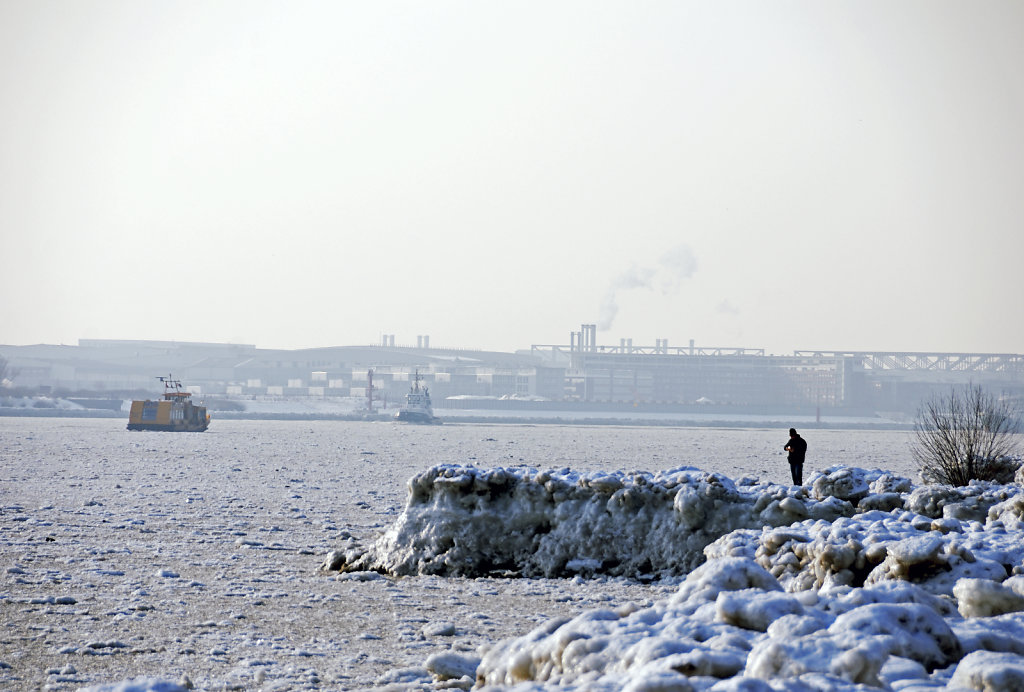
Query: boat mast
171, 384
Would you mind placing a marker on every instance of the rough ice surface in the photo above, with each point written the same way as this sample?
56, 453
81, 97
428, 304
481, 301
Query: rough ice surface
170, 561
857, 581
467, 521
850, 527
138, 685
990, 670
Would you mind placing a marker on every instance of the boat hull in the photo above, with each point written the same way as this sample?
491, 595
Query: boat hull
161, 427
417, 417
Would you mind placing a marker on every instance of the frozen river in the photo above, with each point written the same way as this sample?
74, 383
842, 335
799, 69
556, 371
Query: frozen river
174, 555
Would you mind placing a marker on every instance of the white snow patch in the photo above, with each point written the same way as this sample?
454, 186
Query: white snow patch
864, 582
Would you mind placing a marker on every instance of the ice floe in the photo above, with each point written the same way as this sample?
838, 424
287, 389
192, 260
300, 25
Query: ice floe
859, 580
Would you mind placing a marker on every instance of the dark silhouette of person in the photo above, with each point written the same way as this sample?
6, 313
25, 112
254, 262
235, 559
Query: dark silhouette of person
797, 448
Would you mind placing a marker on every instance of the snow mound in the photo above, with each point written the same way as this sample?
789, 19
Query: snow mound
467, 521
859, 581
731, 626
849, 527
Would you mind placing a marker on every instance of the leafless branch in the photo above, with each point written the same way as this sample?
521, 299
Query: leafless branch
967, 434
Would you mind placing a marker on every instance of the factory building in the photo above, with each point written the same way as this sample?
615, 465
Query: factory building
581, 373
739, 377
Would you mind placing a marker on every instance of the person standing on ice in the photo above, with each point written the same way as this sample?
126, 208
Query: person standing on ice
797, 448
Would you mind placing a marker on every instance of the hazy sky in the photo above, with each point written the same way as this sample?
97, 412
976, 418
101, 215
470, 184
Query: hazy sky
780, 175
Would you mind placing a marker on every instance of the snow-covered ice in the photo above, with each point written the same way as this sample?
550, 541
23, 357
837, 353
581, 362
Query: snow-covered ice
144, 562
810, 585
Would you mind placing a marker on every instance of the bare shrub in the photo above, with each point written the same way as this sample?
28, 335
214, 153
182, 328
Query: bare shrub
967, 434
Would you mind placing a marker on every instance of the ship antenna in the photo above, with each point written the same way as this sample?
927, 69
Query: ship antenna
170, 383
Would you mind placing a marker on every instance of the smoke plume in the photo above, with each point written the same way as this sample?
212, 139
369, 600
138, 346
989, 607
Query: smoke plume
672, 269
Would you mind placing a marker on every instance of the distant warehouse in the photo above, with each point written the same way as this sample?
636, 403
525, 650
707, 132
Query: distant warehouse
580, 373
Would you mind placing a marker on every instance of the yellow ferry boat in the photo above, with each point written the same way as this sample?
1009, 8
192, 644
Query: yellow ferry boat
175, 412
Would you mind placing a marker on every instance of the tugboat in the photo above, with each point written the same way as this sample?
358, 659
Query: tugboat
174, 413
417, 407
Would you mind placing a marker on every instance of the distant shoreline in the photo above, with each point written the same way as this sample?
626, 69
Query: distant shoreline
471, 419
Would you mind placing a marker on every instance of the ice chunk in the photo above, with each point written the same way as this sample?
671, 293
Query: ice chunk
729, 574
843, 483
754, 609
991, 672
998, 633
983, 598
911, 630
774, 659
451, 666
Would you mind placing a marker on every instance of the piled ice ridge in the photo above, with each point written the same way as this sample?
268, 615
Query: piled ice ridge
732, 626
467, 521
861, 581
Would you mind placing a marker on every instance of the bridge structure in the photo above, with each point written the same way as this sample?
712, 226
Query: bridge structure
1010, 364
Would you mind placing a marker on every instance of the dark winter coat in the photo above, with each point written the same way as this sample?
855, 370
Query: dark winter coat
797, 447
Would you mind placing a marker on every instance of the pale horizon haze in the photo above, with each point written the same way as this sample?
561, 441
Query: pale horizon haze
782, 175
